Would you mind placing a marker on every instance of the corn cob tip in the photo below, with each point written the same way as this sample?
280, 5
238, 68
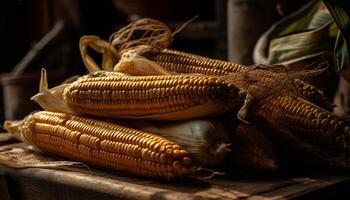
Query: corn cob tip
14, 127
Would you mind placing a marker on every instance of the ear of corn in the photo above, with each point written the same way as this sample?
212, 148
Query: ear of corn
300, 154
181, 62
207, 141
170, 97
306, 120
104, 144
172, 61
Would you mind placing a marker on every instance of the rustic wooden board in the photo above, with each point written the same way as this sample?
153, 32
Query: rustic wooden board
71, 182
58, 184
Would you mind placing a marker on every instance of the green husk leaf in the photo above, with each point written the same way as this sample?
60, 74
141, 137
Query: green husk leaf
340, 11
311, 34
299, 45
301, 23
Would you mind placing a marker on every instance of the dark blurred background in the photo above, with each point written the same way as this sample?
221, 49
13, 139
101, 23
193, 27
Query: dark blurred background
44, 33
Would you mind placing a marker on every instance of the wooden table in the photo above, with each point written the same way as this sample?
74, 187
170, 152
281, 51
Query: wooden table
72, 182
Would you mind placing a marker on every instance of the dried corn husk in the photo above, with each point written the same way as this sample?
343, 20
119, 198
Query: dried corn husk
51, 99
145, 31
133, 63
206, 140
109, 56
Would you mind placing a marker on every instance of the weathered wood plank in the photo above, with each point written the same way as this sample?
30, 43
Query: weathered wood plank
92, 183
295, 190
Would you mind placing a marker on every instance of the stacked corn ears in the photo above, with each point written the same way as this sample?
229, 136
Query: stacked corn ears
143, 80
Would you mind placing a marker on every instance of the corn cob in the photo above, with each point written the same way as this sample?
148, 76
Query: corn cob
104, 144
298, 153
171, 97
308, 121
276, 105
252, 149
181, 62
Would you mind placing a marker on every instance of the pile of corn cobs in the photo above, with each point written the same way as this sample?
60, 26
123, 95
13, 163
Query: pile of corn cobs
257, 110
